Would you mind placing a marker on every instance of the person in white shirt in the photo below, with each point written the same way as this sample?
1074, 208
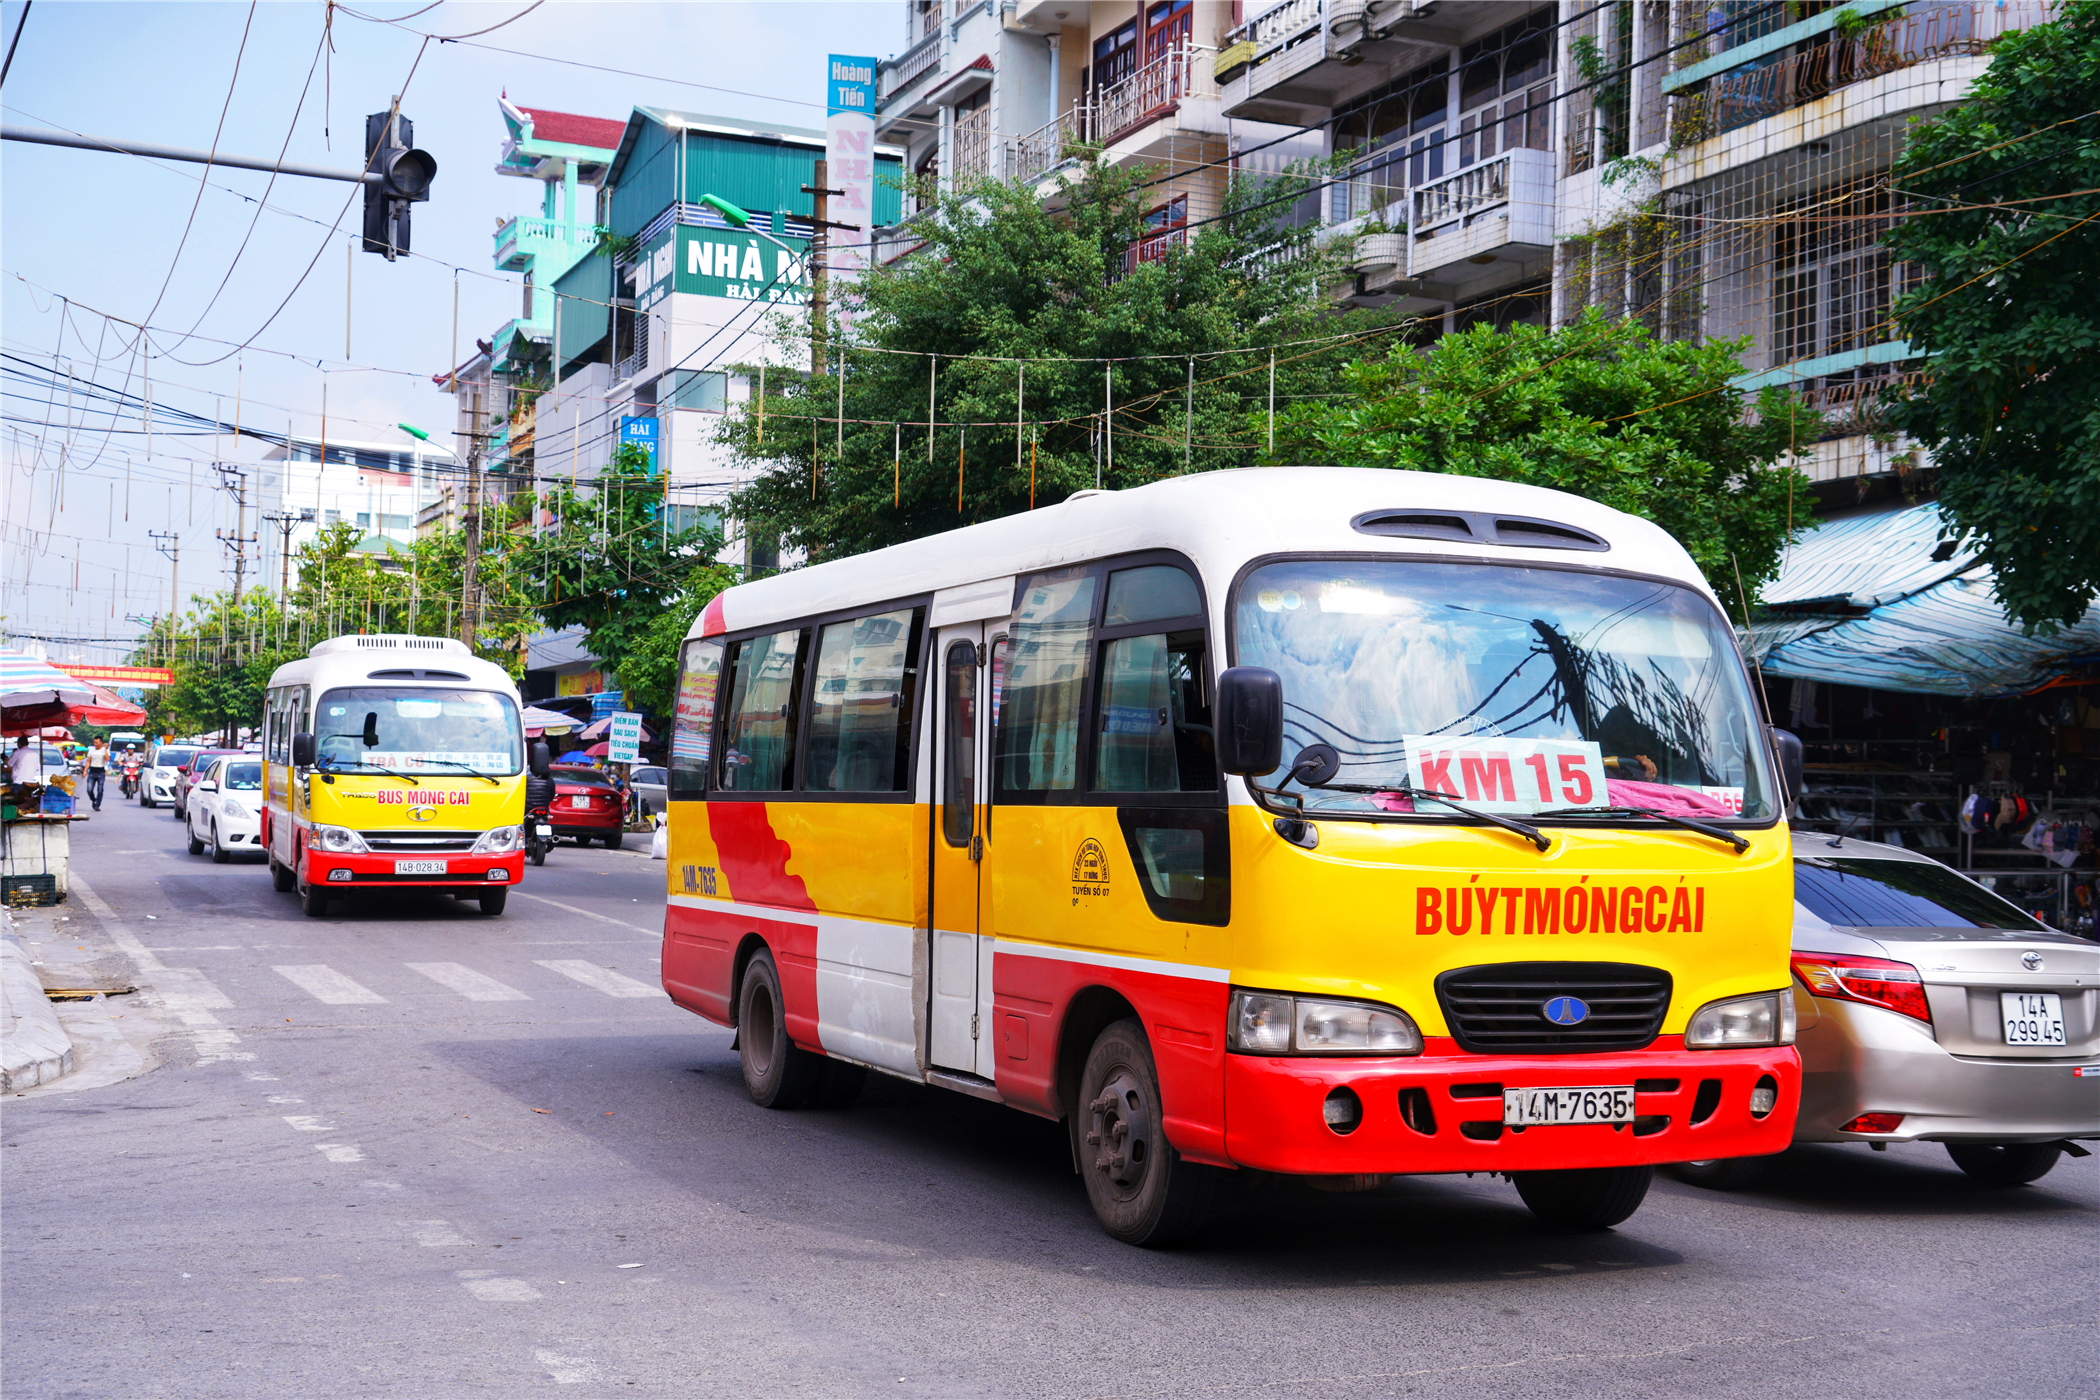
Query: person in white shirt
26, 764
97, 772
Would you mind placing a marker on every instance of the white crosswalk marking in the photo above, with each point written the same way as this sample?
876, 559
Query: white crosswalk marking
497, 1290
324, 983
434, 1234
308, 1123
340, 1151
566, 1370
470, 984
602, 979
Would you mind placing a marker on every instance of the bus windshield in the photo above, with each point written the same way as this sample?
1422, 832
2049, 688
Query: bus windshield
414, 730
1511, 689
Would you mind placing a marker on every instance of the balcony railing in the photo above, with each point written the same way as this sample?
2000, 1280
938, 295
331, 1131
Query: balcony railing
1048, 146
1182, 71
1469, 192
1271, 32
902, 71
522, 228
1790, 80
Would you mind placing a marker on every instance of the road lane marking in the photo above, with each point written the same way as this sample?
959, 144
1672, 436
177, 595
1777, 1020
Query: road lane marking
340, 1151
216, 1046
655, 933
497, 1290
183, 991
566, 1370
602, 979
308, 1123
324, 983
434, 1234
470, 984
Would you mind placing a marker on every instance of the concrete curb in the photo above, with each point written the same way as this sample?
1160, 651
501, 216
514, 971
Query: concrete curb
34, 1047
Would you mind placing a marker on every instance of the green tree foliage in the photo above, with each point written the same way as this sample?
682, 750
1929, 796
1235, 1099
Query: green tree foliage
1599, 408
605, 560
2011, 407
1005, 277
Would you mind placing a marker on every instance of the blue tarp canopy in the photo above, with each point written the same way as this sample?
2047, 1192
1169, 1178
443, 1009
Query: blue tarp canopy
1862, 601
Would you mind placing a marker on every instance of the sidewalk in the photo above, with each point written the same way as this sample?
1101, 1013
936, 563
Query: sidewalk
34, 1047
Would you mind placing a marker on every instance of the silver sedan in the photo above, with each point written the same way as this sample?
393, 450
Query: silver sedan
1931, 1010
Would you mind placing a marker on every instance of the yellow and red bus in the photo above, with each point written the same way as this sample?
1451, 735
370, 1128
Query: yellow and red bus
1324, 822
393, 762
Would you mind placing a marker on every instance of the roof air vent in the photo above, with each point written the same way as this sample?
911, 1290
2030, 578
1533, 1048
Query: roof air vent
1545, 534
1416, 525
1477, 527
406, 674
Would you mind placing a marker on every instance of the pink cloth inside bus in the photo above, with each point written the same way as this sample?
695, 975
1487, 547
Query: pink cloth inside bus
1620, 792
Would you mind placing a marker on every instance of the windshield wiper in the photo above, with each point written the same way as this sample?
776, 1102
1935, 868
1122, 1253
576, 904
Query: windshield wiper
337, 766
1530, 833
1719, 833
468, 766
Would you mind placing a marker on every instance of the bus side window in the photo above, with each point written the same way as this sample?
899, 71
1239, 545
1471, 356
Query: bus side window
758, 739
959, 757
1044, 682
693, 725
861, 705
1155, 733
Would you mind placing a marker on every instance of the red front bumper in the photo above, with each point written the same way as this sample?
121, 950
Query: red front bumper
1274, 1110
327, 870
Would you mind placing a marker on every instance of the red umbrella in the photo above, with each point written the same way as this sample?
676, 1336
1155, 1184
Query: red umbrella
599, 728
598, 750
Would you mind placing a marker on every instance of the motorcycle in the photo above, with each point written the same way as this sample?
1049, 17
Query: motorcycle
128, 787
539, 822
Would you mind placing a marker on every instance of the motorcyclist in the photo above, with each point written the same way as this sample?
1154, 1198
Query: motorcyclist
539, 802
132, 761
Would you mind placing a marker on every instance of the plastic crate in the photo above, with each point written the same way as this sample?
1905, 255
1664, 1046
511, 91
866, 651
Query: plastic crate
57, 804
28, 891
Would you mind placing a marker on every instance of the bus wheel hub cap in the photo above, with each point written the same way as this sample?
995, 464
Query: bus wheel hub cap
1117, 1130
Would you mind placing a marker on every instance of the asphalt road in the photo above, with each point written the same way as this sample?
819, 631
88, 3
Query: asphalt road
412, 1151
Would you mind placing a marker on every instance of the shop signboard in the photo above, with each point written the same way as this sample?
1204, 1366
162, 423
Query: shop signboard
623, 740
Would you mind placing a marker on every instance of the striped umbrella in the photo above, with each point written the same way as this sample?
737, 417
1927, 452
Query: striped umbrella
33, 693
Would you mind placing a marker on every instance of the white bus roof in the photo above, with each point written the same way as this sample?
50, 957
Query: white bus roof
1220, 520
350, 659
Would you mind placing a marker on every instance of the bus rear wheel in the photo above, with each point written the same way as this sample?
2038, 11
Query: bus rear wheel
777, 1072
282, 877
1142, 1190
1584, 1198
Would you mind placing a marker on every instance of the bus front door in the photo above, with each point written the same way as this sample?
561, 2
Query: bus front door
961, 953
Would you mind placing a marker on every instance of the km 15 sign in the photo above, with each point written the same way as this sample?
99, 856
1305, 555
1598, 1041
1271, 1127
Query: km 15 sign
1508, 775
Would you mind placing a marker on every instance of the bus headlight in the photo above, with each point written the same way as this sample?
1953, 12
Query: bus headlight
499, 841
1765, 1019
1267, 1023
340, 840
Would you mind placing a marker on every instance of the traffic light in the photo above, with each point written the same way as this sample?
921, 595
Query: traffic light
405, 175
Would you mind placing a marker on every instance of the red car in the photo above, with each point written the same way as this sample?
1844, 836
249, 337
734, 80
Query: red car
193, 772
586, 804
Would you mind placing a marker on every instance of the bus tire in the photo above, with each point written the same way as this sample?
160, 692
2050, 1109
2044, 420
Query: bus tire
777, 1072
2005, 1163
1142, 1190
492, 901
839, 1084
1584, 1198
282, 877
313, 899
1721, 1174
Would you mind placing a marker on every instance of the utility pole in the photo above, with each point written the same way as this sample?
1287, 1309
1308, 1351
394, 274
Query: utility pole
471, 522
236, 481
287, 521
819, 242
170, 545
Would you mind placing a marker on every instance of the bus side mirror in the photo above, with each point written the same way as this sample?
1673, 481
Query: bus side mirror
540, 758
1249, 716
1787, 748
302, 750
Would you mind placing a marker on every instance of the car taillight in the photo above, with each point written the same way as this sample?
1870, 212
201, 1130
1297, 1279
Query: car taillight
1874, 1123
1893, 986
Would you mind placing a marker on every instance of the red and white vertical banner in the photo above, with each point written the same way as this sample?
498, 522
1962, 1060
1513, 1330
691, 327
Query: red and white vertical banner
849, 154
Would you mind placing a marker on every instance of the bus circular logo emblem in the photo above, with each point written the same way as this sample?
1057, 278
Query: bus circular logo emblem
421, 814
1567, 1011
1089, 870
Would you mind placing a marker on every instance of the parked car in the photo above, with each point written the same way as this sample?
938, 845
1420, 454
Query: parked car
587, 805
650, 789
189, 774
1931, 1010
158, 775
225, 808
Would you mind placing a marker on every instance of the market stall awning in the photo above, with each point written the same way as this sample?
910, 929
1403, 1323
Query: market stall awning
107, 707
35, 693
539, 722
1867, 601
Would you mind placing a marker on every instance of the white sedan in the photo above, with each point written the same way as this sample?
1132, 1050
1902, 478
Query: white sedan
225, 809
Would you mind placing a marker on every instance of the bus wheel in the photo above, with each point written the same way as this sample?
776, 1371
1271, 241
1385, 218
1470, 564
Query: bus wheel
2005, 1163
1142, 1190
492, 901
1584, 1198
282, 877
1722, 1174
779, 1073
314, 900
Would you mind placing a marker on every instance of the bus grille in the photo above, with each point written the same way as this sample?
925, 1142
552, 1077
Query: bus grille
420, 842
1501, 1008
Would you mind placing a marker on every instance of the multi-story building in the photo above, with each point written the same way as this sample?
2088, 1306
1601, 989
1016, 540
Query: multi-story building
1714, 167
1011, 90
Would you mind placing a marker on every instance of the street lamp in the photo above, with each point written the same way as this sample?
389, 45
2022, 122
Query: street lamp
421, 437
740, 219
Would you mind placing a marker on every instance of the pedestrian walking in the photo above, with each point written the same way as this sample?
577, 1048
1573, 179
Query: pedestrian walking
97, 771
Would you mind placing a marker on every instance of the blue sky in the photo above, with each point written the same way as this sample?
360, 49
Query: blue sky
86, 236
